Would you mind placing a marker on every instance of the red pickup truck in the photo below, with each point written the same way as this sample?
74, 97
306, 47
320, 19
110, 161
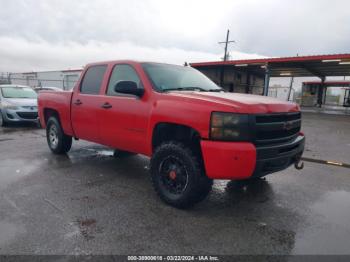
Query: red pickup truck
193, 131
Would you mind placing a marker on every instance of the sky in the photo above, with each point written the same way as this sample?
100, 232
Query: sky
61, 34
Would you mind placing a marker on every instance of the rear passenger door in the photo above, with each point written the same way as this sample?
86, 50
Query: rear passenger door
86, 102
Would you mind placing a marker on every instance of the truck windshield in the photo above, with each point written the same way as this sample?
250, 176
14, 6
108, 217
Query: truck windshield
183, 78
18, 92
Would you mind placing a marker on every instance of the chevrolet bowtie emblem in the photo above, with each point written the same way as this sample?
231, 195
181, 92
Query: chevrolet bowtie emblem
287, 126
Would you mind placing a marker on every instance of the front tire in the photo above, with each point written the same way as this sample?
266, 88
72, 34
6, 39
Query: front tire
178, 176
58, 142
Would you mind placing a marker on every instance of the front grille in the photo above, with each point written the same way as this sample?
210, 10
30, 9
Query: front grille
28, 115
277, 128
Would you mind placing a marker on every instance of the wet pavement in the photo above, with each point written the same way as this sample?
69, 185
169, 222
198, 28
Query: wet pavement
88, 202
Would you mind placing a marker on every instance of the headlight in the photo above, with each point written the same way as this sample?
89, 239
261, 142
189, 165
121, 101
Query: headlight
229, 126
7, 105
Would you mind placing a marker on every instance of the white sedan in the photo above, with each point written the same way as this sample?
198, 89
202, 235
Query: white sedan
18, 104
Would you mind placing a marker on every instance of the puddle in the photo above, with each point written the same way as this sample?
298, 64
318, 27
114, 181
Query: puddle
104, 152
99, 152
335, 208
8, 232
329, 233
77, 155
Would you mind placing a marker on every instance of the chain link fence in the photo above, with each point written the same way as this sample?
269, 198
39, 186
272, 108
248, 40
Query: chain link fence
64, 81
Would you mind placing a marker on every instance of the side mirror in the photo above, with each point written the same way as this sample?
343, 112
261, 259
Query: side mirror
128, 87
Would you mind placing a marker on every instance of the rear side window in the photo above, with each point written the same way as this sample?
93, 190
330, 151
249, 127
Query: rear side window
122, 73
93, 79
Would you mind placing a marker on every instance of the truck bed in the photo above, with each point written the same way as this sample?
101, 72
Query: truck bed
59, 101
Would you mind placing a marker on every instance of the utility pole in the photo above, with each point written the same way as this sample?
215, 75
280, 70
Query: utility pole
290, 87
225, 57
226, 43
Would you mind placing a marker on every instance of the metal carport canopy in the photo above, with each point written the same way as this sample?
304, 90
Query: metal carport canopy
298, 66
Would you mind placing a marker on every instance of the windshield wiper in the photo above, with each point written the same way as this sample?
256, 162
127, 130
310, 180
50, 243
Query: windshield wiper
184, 89
216, 90
203, 89
193, 88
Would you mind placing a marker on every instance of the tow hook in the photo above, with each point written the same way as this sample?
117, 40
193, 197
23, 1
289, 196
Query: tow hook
299, 164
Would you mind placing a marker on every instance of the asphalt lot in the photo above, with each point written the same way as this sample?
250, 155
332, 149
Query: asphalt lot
89, 202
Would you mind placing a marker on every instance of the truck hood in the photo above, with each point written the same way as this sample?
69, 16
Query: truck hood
241, 103
22, 101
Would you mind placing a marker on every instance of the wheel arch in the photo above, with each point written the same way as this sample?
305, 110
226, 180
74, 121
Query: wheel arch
168, 131
50, 112
63, 121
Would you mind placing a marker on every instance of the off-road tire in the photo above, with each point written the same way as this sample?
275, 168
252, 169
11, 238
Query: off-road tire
197, 186
205, 187
63, 142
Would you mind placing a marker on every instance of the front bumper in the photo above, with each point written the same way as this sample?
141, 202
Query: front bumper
275, 158
242, 160
20, 115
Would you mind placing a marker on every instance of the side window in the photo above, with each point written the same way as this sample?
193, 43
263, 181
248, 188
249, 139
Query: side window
92, 80
122, 73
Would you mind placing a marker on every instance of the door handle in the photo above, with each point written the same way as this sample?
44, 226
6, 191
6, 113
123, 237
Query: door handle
78, 102
106, 105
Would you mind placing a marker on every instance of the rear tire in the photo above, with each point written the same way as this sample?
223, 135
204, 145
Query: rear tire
178, 176
58, 142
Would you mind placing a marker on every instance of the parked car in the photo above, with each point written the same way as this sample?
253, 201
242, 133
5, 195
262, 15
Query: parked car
18, 104
46, 88
192, 130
